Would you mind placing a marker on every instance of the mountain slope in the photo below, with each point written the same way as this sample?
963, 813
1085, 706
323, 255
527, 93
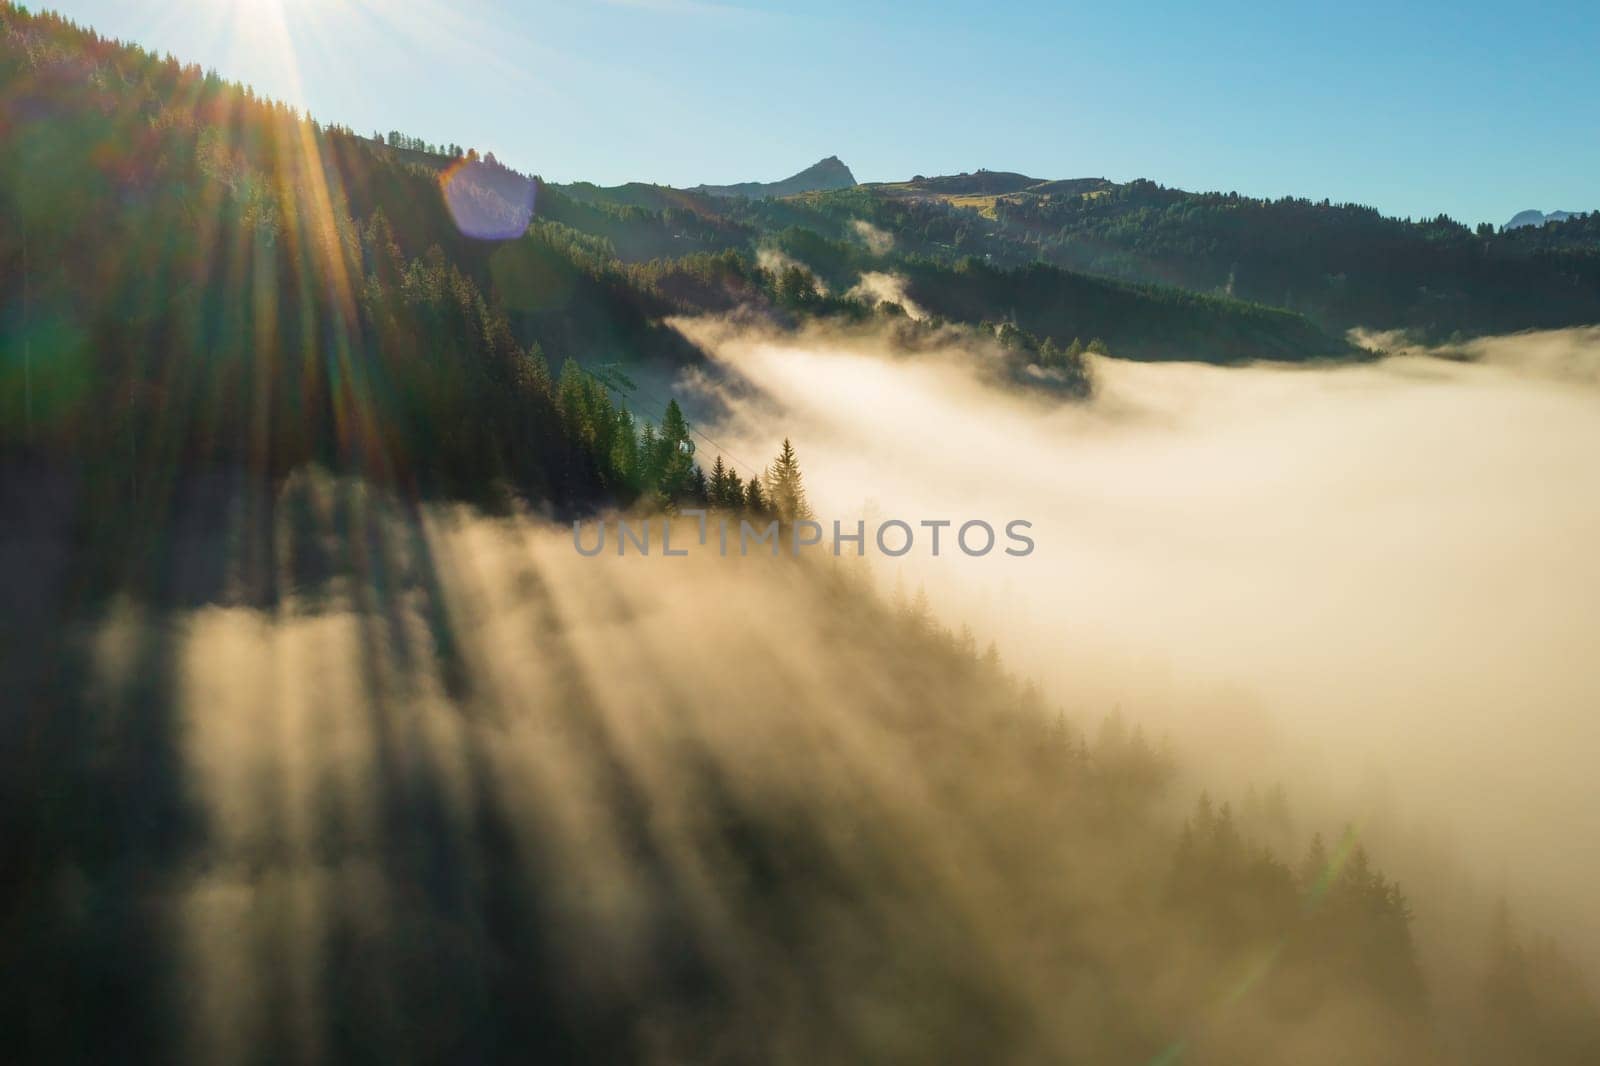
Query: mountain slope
822, 176
1536, 218
1344, 265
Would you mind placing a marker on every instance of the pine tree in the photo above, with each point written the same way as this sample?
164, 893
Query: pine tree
1356, 877
920, 613
1506, 983
1112, 737
1205, 817
676, 451
754, 499
1314, 867
1186, 877
795, 287
1225, 839
625, 451
786, 487
1275, 811
649, 469
719, 482
538, 368
573, 392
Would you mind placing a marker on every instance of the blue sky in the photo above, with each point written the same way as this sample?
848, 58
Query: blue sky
1475, 109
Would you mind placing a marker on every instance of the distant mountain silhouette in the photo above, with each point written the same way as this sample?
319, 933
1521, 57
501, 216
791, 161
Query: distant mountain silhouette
982, 183
823, 176
1536, 218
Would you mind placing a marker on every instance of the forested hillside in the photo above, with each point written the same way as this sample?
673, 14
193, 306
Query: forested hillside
1342, 266
197, 278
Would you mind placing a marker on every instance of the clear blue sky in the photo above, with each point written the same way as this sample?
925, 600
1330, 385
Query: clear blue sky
1478, 109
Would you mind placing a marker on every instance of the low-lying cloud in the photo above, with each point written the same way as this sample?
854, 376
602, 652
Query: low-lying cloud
878, 241
1379, 579
776, 262
877, 287
443, 786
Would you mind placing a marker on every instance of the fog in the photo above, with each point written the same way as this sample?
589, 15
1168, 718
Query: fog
376, 779
776, 262
1378, 581
877, 287
458, 789
878, 241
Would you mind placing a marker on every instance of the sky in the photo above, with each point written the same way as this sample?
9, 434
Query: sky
1476, 109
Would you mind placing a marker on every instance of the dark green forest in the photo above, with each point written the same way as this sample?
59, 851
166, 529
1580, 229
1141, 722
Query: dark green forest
1334, 267
259, 390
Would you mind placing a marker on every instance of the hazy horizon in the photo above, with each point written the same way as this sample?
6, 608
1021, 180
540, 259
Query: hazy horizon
688, 92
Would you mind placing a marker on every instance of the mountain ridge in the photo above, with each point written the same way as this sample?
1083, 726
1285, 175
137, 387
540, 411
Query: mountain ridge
825, 175
1534, 217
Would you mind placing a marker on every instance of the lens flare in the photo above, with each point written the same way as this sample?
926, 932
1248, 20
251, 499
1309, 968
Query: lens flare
487, 201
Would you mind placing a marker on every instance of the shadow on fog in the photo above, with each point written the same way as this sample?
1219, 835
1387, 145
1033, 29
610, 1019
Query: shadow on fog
340, 778
336, 778
138, 928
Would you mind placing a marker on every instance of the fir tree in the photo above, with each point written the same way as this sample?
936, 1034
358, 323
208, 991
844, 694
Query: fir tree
754, 499
1314, 867
786, 488
719, 482
676, 454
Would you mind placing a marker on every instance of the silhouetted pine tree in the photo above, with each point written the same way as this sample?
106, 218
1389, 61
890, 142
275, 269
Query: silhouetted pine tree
786, 487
